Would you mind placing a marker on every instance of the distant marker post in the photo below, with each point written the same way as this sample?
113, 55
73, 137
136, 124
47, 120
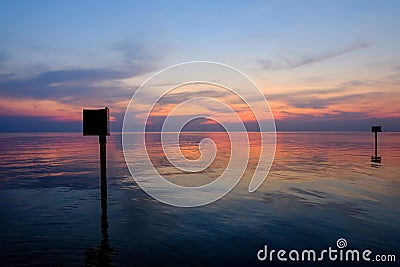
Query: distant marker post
376, 129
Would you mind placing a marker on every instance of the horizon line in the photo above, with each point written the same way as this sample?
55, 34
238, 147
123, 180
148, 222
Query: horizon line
280, 131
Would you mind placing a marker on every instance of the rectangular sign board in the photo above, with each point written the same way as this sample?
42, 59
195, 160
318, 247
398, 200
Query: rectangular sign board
376, 129
96, 121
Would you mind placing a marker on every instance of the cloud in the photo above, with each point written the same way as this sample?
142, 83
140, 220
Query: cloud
309, 92
199, 124
343, 93
354, 99
179, 97
83, 86
3, 57
57, 96
4, 76
54, 98
289, 62
336, 121
67, 85
332, 115
320, 102
135, 53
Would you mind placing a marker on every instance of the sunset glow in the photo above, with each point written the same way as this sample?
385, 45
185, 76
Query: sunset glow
327, 73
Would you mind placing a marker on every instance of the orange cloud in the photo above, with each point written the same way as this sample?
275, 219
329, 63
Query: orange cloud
40, 108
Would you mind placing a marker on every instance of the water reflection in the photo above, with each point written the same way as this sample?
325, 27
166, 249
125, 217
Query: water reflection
376, 165
103, 254
321, 187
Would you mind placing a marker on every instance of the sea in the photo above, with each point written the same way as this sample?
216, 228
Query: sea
322, 187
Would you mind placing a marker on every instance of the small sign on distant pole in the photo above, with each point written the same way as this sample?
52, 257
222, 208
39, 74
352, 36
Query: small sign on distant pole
376, 129
97, 122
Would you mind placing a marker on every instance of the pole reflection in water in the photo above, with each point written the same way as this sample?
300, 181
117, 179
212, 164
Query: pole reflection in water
101, 255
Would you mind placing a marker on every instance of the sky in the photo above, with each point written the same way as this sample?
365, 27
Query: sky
322, 65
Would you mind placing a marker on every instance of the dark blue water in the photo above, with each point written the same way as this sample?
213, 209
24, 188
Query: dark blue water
321, 187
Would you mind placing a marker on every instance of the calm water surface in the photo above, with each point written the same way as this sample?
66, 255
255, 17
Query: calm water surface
321, 187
